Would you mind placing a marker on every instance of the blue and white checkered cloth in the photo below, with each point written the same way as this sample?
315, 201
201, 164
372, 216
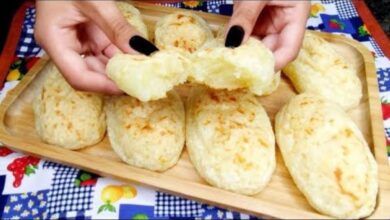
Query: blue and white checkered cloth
27, 46
65, 196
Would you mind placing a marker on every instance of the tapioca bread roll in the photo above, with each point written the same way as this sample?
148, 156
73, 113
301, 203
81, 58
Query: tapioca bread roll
249, 66
230, 139
65, 117
321, 70
133, 16
147, 135
184, 30
327, 157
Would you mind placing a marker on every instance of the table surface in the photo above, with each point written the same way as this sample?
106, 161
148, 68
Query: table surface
50, 190
380, 10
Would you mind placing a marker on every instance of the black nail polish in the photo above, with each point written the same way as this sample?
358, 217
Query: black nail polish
142, 45
235, 36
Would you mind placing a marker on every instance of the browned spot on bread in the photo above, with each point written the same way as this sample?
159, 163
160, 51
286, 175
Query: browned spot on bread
162, 159
240, 110
304, 103
214, 96
192, 20
345, 150
163, 118
309, 131
252, 116
338, 174
128, 126
208, 121
232, 98
128, 110
78, 135
70, 126
147, 127
262, 142
348, 132
252, 101
180, 16
43, 93
236, 124
240, 160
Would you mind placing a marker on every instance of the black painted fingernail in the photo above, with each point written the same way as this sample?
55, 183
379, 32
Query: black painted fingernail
235, 36
142, 45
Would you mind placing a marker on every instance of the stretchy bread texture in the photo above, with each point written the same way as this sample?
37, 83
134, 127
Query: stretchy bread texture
320, 69
149, 77
328, 157
65, 117
147, 135
133, 16
184, 30
249, 66
230, 140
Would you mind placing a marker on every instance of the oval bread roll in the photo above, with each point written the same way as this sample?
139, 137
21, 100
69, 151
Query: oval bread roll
249, 66
230, 139
184, 30
321, 70
147, 135
133, 16
327, 157
149, 77
65, 117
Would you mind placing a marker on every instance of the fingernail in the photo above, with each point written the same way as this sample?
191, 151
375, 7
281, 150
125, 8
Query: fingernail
235, 36
142, 45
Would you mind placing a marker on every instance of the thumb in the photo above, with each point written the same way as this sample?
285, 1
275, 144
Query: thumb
242, 22
110, 20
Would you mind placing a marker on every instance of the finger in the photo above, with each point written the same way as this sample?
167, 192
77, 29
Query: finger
289, 43
75, 70
102, 58
291, 37
110, 20
94, 64
271, 41
111, 50
243, 20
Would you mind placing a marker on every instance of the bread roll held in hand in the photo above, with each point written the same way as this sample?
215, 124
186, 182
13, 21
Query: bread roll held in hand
249, 66
184, 30
321, 70
147, 135
327, 157
230, 140
65, 117
149, 77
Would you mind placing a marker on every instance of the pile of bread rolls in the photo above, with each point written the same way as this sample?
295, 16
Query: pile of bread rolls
227, 132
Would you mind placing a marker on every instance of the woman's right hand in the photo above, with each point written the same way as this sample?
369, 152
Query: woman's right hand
81, 36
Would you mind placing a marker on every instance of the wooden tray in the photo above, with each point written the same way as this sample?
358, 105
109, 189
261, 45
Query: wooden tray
280, 199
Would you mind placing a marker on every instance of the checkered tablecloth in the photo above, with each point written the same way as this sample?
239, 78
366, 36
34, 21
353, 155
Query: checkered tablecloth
51, 190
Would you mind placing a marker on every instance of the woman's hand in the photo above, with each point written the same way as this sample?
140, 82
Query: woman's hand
280, 25
80, 37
